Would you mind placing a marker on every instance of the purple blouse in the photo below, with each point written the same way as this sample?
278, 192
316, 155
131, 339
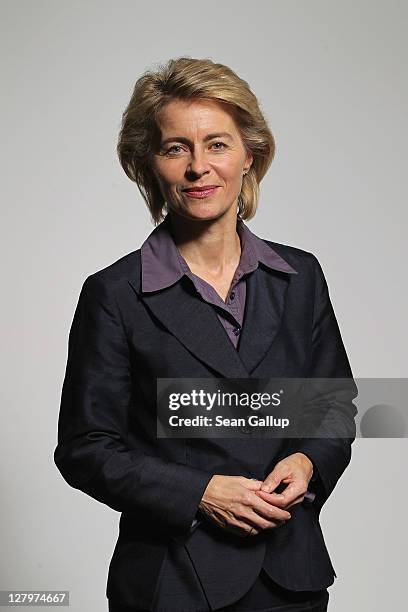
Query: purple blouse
163, 265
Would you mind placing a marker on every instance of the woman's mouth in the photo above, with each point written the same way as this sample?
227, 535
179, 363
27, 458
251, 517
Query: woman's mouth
200, 193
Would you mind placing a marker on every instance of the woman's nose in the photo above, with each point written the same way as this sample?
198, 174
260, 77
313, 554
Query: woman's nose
198, 163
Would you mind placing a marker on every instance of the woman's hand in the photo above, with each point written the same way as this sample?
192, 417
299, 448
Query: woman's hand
232, 503
295, 470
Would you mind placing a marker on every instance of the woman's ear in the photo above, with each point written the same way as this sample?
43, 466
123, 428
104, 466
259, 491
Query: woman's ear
248, 162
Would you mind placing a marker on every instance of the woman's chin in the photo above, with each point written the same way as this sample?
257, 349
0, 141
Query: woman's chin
201, 212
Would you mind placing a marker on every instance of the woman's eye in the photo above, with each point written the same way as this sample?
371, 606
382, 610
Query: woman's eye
171, 149
218, 143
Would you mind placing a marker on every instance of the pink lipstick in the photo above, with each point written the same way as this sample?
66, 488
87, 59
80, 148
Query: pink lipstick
201, 192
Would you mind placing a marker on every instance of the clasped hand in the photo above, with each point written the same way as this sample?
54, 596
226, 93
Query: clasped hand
246, 507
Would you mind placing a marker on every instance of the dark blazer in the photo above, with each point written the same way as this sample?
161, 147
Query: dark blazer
120, 342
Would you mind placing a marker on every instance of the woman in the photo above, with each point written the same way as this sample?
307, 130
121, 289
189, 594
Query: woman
203, 526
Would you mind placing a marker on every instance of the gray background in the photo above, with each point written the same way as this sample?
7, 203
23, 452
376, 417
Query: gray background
331, 80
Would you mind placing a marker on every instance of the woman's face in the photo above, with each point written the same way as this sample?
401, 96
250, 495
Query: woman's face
200, 147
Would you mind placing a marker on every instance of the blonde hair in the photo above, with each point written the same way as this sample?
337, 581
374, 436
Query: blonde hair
188, 78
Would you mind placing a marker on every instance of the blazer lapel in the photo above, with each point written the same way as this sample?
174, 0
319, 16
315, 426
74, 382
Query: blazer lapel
265, 302
195, 323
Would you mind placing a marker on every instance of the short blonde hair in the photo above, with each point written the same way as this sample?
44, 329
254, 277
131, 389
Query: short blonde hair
188, 78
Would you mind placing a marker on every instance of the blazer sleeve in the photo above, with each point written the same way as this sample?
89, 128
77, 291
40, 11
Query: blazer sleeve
328, 360
92, 453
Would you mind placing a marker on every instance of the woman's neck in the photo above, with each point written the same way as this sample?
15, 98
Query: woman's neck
212, 246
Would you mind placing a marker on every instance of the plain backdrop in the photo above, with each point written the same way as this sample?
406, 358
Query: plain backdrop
331, 79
